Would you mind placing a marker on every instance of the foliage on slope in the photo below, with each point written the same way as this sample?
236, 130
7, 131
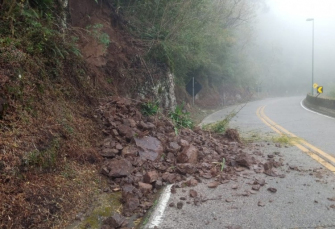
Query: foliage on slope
48, 130
194, 38
47, 127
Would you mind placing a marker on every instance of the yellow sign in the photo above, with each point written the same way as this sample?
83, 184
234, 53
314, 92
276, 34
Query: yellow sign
320, 89
315, 85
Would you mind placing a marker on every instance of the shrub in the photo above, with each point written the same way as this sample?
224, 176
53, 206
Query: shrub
149, 108
181, 118
220, 126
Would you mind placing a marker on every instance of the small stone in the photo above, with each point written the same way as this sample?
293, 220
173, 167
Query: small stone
229, 200
150, 177
261, 204
158, 184
193, 193
213, 184
192, 182
172, 205
273, 190
114, 221
144, 187
244, 160
119, 146
261, 182
256, 187
184, 143
180, 205
80, 216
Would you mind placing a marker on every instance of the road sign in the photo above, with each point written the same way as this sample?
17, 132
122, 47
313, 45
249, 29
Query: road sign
197, 87
320, 89
315, 85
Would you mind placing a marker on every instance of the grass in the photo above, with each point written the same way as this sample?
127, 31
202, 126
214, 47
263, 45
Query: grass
107, 205
181, 118
149, 108
222, 164
251, 136
220, 126
285, 139
257, 136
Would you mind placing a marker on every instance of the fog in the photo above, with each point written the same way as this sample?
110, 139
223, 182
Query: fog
283, 45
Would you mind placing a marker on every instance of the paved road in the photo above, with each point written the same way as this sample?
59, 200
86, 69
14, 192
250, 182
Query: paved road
304, 196
287, 112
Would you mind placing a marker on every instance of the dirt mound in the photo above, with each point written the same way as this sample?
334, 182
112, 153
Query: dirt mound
233, 135
152, 155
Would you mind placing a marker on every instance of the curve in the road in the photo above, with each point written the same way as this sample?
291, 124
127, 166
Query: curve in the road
320, 156
314, 112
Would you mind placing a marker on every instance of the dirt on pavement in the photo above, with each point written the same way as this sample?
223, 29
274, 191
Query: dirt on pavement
142, 154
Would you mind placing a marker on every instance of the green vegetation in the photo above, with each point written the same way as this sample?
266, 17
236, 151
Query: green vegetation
222, 164
256, 136
220, 126
149, 108
107, 205
181, 118
198, 38
96, 32
285, 139
43, 159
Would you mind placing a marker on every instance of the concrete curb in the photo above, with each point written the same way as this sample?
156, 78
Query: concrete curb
157, 214
318, 109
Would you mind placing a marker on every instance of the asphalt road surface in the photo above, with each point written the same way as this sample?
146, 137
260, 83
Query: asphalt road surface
305, 196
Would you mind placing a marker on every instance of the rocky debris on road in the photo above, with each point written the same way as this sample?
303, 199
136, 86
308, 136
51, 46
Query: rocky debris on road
143, 153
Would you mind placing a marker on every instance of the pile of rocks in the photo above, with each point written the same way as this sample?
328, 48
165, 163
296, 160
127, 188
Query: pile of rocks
143, 153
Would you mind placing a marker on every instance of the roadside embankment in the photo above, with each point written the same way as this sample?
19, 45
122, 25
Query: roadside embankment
322, 105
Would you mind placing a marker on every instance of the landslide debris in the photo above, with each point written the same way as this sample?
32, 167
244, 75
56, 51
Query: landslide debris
144, 153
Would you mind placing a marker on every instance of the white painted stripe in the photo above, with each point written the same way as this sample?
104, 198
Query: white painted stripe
156, 217
302, 105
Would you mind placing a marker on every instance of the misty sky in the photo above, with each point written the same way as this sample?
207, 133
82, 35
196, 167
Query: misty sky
284, 34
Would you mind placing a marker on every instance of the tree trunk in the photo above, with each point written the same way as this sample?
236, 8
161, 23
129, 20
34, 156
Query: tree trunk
63, 14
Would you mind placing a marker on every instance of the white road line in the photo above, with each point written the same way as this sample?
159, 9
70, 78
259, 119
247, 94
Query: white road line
301, 104
156, 217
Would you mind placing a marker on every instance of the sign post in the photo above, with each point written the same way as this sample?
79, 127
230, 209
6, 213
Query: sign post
193, 91
193, 88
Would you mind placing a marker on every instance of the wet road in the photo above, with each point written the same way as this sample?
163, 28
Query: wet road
305, 195
288, 113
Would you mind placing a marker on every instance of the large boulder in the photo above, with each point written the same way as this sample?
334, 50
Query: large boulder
150, 148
